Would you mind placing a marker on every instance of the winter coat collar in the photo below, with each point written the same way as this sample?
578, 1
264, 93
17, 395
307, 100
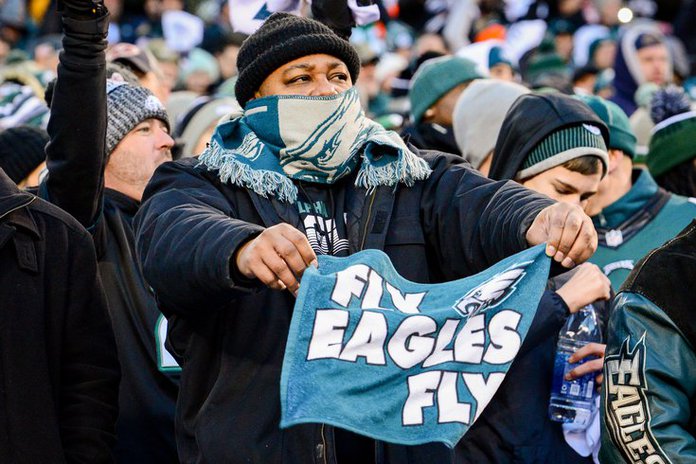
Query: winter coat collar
634, 201
12, 215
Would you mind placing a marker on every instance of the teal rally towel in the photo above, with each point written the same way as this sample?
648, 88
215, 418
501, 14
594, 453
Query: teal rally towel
371, 352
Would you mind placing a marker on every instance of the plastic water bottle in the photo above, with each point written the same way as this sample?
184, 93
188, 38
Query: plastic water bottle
573, 401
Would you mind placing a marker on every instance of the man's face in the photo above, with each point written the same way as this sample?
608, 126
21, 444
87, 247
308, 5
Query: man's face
430, 43
443, 109
503, 72
562, 184
155, 84
654, 63
312, 76
227, 59
136, 157
605, 54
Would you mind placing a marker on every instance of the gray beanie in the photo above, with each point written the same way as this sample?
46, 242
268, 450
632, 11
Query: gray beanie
128, 106
203, 117
479, 114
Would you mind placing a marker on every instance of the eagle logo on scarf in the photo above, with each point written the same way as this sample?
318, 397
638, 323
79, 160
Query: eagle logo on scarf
333, 133
492, 292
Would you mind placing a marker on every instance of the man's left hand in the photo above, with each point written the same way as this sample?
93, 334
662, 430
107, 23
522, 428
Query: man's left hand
568, 232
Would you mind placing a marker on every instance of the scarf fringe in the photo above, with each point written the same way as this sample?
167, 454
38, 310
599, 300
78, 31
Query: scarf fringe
261, 181
408, 169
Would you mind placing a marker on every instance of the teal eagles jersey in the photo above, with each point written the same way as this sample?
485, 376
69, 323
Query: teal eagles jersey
640, 221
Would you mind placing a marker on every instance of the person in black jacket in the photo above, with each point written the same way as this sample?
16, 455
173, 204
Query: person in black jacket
106, 139
224, 239
58, 365
556, 145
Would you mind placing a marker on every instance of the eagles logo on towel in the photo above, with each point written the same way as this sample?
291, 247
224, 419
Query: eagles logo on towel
371, 352
491, 293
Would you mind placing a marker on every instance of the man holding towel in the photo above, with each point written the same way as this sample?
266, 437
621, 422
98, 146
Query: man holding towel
224, 239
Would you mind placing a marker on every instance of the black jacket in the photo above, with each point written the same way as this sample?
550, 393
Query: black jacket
532, 118
516, 421
76, 161
231, 334
58, 367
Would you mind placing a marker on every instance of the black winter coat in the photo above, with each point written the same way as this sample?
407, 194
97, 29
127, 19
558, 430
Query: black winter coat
231, 335
58, 368
76, 161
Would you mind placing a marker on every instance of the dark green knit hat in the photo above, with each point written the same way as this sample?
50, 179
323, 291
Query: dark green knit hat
562, 146
672, 143
621, 135
435, 78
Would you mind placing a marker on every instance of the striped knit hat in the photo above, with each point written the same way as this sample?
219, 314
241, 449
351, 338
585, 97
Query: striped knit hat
564, 145
621, 135
672, 141
128, 106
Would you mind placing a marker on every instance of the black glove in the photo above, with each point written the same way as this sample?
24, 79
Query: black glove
82, 9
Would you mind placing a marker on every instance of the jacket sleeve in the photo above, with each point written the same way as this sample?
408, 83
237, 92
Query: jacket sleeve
90, 370
75, 154
473, 222
551, 314
648, 386
186, 236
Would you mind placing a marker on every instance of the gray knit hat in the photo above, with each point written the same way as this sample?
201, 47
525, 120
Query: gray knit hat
128, 106
479, 114
564, 145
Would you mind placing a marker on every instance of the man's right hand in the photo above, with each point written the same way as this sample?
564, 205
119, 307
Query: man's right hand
587, 285
277, 257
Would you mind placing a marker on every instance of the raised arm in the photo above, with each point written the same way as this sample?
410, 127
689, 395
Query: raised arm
77, 125
472, 222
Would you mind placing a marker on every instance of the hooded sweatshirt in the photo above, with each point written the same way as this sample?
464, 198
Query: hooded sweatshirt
515, 426
627, 74
531, 119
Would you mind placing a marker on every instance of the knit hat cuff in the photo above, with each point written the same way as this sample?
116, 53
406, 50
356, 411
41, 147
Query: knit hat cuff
672, 143
621, 140
562, 146
562, 158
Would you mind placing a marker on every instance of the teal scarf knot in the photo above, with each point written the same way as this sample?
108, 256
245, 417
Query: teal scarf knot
313, 139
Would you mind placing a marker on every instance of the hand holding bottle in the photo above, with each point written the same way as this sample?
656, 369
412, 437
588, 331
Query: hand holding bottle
587, 285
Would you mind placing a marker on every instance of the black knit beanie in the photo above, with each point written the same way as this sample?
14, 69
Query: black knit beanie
281, 39
22, 151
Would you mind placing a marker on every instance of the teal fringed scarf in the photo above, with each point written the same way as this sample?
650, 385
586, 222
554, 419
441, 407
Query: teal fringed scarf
313, 139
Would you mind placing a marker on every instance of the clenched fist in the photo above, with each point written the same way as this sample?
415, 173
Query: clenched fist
568, 232
277, 257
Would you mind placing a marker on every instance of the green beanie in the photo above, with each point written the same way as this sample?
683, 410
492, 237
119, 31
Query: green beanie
435, 78
562, 146
672, 143
621, 135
